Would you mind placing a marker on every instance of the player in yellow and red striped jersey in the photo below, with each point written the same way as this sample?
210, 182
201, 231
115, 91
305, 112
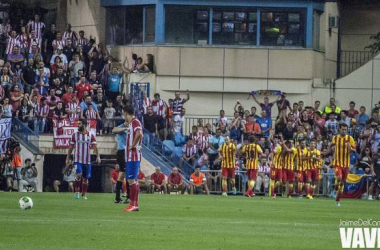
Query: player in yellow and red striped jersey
312, 175
343, 145
301, 165
289, 154
252, 153
276, 167
228, 154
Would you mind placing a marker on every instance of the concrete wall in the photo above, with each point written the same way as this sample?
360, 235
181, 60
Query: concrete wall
358, 24
89, 16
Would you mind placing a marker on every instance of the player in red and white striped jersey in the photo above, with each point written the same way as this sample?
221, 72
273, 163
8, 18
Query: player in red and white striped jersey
37, 26
82, 141
12, 42
70, 34
133, 155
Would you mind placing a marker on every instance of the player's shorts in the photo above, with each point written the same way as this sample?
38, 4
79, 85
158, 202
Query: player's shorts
287, 175
132, 170
276, 174
312, 175
120, 159
228, 172
84, 169
341, 172
252, 174
300, 175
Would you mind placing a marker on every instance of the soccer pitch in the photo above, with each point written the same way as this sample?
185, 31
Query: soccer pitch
57, 221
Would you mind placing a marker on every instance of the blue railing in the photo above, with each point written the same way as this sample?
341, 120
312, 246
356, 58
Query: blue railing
25, 135
170, 155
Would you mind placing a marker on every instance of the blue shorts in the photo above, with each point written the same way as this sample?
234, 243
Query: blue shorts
84, 169
132, 170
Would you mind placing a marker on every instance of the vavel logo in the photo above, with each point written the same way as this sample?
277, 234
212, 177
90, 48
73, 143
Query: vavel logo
360, 233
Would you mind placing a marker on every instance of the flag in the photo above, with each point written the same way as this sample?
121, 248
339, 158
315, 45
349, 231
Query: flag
355, 186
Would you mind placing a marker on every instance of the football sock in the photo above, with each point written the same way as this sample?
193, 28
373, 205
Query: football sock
224, 185
77, 185
118, 190
251, 184
312, 189
308, 188
300, 188
133, 193
84, 188
290, 191
137, 195
272, 187
340, 192
128, 190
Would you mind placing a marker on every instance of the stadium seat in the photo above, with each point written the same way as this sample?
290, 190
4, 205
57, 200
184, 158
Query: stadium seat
167, 147
178, 152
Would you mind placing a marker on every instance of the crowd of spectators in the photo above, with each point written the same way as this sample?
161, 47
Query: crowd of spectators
49, 74
295, 122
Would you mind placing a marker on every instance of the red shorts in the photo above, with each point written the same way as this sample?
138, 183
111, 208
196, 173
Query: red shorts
312, 174
300, 176
287, 175
341, 172
228, 172
252, 174
276, 174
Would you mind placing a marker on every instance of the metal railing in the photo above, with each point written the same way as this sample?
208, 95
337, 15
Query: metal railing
352, 60
25, 135
167, 154
193, 121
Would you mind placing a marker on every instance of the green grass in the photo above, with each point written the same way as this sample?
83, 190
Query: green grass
57, 221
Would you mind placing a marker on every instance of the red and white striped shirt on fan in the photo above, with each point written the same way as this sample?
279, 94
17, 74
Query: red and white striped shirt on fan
203, 141
82, 41
159, 107
82, 143
135, 153
23, 39
34, 40
41, 110
56, 43
189, 150
146, 103
72, 35
12, 42
90, 114
72, 106
38, 28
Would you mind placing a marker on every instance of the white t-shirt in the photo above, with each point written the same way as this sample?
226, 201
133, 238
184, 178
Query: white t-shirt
178, 121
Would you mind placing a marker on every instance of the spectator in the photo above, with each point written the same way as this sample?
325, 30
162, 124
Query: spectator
70, 35
94, 82
283, 104
52, 94
23, 112
61, 55
28, 76
265, 123
332, 124
157, 181
262, 179
41, 113
58, 42
141, 180
289, 131
178, 122
361, 118
69, 50
29, 176
328, 108
178, 102
74, 66
267, 106
344, 118
109, 115
175, 182
189, 151
16, 95
58, 88
82, 86
86, 102
42, 82
150, 122
198, 182
37, 26
215, 142
15, 56
48, 39
221, 120
8, 172
7, 108
251, 128
115, 80
82, 40
352, 112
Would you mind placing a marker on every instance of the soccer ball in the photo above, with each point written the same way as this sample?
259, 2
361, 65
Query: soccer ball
25, 203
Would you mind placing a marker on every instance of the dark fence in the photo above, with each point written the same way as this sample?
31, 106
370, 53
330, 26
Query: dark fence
352, 60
